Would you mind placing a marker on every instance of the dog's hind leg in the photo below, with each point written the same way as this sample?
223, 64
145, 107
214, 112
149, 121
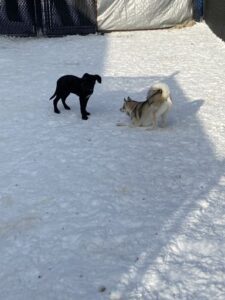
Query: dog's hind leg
55, 101
164, 119
64, 102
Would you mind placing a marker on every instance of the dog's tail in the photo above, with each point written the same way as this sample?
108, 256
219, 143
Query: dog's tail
53, 96
159, 87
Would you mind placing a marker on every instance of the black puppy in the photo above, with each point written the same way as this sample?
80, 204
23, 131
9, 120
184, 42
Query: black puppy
82, 87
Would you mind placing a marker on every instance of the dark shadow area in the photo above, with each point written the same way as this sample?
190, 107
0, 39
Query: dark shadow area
182, 168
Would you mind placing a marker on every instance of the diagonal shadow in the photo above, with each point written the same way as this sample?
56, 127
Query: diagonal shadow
185, 172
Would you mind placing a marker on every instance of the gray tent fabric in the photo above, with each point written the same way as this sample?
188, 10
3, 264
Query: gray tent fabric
115, 15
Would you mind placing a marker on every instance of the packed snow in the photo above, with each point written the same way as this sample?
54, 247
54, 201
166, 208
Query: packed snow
93, 211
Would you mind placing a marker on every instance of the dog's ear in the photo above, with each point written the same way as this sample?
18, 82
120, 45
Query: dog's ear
85, 76
98, 78
128, 98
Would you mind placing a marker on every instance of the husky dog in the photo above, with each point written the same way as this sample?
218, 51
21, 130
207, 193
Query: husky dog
148, 112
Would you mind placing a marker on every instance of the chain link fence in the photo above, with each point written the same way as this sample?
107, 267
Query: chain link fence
62, 17
51, 17
17, 17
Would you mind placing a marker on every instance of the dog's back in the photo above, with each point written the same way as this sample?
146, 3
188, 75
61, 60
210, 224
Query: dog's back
67, 84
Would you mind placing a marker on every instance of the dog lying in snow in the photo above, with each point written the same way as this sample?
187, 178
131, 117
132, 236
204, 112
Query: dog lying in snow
82, 87
150, 111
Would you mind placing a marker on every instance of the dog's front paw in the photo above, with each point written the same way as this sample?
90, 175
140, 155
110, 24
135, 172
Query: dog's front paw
56, 111
150, 128
121, 124
84, 118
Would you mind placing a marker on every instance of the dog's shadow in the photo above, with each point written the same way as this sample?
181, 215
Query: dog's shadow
186, 111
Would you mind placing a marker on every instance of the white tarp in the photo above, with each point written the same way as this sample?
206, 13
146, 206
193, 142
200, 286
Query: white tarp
142, 14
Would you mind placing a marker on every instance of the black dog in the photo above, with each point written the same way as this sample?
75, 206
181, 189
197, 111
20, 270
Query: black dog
82, 87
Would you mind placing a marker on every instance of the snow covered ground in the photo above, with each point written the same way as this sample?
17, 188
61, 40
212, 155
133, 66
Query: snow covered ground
92, 211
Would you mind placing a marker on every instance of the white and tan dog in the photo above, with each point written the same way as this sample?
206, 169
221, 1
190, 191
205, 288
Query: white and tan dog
148, 113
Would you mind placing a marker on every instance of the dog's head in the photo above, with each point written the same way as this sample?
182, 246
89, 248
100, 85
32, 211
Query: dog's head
88, 82
127, 105
123, 108
92, 78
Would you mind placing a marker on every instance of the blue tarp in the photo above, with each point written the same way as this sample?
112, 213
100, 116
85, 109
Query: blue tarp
198, 10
